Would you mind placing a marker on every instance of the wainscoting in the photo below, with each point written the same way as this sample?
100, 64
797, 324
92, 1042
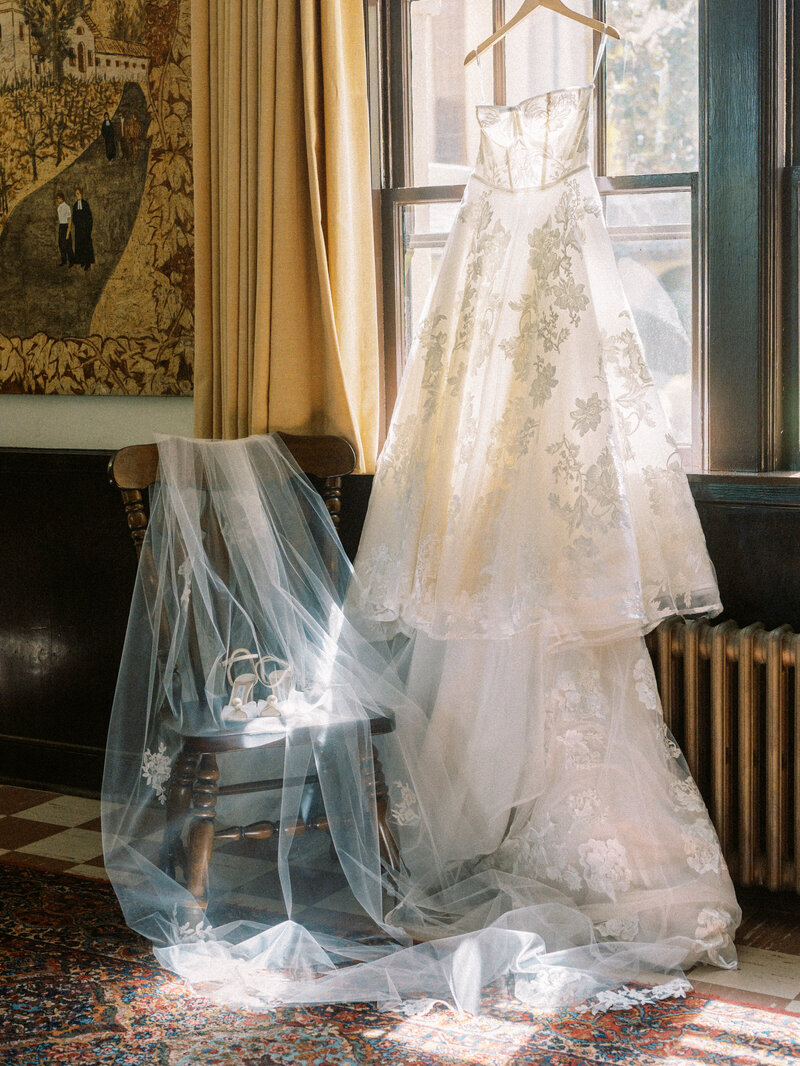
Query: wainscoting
66, 577
67, 570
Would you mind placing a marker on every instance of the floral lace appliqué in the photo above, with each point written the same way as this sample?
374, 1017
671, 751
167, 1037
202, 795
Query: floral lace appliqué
619, 928
583, 748
404, 805
626, 998
670, 743
156, 768
702, 848
596, 503
585, 804
646, 684
605, 866
577, 694
588, 414
715, 932
191, 931
539, 852
185, 571
685, 795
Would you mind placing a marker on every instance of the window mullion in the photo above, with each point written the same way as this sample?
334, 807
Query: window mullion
791, 334
600, 154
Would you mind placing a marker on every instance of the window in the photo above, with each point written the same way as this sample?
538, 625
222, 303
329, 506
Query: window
22, 31
646, 135
691, 143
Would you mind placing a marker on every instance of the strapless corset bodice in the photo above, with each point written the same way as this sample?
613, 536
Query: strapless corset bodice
536, 142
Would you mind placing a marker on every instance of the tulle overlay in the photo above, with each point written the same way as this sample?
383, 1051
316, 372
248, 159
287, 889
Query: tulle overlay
529, 522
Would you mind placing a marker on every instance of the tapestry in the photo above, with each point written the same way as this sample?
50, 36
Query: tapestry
96, 212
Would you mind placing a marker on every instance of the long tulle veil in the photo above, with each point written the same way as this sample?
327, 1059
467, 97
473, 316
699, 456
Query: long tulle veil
240, 554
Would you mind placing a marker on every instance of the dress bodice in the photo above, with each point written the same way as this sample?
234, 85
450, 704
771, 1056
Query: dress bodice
536, 142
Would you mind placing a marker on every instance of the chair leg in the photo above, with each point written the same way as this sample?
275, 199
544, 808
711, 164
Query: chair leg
179, 798
377, 781
201, 834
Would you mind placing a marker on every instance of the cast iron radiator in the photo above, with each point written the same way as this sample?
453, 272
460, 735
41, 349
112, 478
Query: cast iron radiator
731, 698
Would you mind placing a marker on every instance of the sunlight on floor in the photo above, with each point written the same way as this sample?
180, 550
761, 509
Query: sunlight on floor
717, 1047
471, 1038
772, 1051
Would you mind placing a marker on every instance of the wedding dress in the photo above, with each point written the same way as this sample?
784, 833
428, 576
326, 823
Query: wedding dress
529, 522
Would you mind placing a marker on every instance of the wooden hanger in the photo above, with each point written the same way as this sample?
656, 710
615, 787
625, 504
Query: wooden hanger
527, 8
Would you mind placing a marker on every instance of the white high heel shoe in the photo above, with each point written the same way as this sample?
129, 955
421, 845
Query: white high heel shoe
241, 686
278, 681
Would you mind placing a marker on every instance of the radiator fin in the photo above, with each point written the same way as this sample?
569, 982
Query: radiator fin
731, 696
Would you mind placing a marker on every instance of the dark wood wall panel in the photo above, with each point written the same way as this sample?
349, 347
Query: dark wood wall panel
752, 528
67, 569
66, 576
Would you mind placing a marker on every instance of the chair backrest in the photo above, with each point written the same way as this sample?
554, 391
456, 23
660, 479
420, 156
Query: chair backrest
134, 469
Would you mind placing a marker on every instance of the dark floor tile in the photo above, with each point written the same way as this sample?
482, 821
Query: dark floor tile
775, 932
14, 799
341, 922
770, 920
39, 862
308, 886
93, 862
17, 832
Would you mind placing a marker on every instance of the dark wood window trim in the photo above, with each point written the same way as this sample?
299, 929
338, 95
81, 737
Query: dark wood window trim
765, 490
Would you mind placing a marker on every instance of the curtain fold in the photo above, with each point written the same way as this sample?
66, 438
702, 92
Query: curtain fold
287, 330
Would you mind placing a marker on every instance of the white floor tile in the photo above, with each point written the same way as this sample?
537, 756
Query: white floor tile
96, 872
73, 845
771, 972
65, 810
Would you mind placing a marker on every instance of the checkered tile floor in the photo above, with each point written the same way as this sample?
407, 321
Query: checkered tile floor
62, 833
51, 831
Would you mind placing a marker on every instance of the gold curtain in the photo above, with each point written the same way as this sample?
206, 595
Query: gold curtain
286, 317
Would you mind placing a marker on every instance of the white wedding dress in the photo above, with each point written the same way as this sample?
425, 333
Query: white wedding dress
529, 522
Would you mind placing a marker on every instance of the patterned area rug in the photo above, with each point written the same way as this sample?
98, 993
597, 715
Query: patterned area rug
77, 987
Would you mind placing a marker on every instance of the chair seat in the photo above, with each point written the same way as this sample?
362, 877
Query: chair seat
244, 739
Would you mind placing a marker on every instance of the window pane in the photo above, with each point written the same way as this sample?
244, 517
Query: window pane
425, 228
652, 87
444, 93
547, 51
652, 240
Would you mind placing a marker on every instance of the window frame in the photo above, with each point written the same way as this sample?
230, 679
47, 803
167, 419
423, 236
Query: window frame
745, 223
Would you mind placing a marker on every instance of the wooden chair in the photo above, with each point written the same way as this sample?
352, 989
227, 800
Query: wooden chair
194, 785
